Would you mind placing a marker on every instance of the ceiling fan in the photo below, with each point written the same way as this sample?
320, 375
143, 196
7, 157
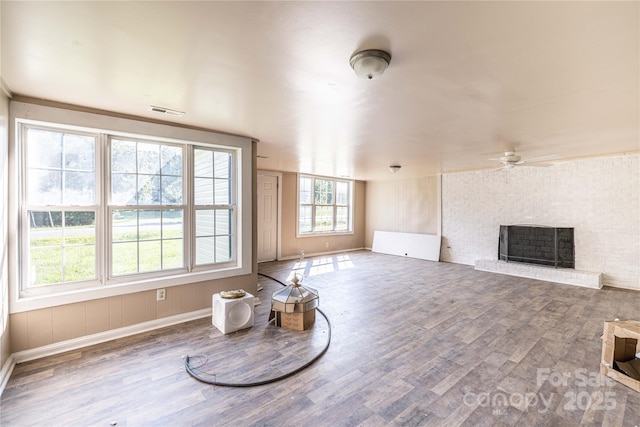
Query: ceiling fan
511, 160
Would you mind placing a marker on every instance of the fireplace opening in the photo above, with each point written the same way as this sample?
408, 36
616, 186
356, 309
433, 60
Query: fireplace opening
541, 245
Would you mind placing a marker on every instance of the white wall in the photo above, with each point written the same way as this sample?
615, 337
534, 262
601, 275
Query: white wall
600, 198
403, 205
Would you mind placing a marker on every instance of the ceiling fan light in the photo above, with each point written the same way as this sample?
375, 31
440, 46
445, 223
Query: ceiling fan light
370, 64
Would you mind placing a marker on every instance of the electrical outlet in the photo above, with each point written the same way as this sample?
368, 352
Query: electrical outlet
326, 245
161, 294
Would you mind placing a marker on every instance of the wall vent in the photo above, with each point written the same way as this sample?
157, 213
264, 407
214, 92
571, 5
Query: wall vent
164, 110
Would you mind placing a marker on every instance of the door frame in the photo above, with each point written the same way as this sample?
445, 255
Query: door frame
278, 176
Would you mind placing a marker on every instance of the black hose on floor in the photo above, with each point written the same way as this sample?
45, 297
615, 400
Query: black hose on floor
198, 375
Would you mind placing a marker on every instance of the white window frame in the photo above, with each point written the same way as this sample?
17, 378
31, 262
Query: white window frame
51, 117
111, 206
349, 205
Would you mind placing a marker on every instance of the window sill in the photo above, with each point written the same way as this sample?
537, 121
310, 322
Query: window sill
86, 294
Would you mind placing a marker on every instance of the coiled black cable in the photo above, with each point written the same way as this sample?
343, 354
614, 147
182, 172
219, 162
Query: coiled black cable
195, 372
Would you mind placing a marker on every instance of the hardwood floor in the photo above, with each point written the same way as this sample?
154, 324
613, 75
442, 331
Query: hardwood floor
413, 343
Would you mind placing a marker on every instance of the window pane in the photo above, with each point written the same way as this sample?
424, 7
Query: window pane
79, 263
50, 180
124, 225
152, 238
44, 148
342, 218
149, 225
79, 152
205, 223
123, 156
45, 265
80, 228
148, 158
51, 221
45, 187
222, 162
61, 250
223, 221
323, 192
203, 163
123, 189
172, 224
172, 254
171, 160
222, 192
125, 258
304, 221
150, 256
171, 190
212, 183
223, 248
213, 236
342, 193
148, 189
305, 190
172, 239
79, 188
324, 218
203, 191
146, 173
204, 250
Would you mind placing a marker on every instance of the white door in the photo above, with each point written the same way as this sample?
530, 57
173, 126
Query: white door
267, 217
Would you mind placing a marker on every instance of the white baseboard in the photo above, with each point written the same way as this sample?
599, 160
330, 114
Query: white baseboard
76, 343
308, 255
6, 371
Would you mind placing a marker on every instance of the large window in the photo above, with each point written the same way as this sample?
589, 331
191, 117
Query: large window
324, 205
100, 208
61, 206
146, 209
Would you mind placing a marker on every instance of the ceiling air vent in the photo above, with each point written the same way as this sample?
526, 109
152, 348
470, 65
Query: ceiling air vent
164, 110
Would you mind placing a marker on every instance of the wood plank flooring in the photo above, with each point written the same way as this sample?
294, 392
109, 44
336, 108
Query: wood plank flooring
413, 343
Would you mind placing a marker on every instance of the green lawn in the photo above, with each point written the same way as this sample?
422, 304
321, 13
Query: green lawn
150, 253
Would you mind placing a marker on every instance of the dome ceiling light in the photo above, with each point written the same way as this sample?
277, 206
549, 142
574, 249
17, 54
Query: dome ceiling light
370, 64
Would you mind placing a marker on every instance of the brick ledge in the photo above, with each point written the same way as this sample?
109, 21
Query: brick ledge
566, 276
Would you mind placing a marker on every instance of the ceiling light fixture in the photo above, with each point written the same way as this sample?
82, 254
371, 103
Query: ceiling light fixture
370, 64
394, 168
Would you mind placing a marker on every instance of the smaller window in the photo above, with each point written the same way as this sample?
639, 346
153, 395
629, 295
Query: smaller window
324, 205
215, 207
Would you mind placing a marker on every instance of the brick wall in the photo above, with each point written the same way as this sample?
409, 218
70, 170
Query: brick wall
599, 198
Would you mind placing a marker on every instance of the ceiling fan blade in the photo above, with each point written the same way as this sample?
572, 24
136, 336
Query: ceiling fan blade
536, 165
539, 159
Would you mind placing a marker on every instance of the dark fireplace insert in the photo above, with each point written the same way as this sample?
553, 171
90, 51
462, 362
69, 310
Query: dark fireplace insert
550, 246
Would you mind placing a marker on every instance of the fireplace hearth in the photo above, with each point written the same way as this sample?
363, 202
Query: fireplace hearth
551, 246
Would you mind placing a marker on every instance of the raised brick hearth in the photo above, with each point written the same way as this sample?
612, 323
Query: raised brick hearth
567, 276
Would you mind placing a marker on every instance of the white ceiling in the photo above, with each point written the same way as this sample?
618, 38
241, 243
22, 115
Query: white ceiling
467, 80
